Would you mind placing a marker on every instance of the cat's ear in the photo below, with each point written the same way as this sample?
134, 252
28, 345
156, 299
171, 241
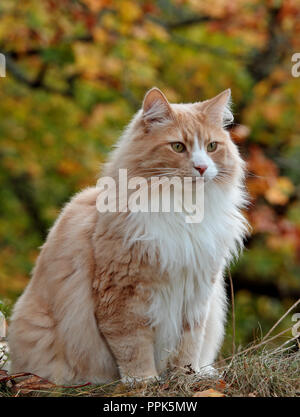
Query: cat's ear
217, 109
156, 108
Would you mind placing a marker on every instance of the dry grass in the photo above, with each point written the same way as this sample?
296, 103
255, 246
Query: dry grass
261, 370
258, 373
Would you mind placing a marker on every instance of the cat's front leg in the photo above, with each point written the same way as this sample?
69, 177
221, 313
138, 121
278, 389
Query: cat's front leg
215, 324
129, 337
134, 354
199, 347
188, 355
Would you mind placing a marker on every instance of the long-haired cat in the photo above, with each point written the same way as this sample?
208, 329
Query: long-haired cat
126, 295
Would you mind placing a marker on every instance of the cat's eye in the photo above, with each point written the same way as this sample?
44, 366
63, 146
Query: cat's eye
212, 146
178, 147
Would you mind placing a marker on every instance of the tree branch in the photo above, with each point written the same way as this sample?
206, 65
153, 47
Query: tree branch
23, 190
38, 82
264, 61
193, 20
269, 289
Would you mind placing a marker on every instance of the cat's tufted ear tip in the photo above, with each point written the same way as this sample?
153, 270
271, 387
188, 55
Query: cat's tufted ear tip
154, 95
156, 107
223, 97
154, 88
227, 92
218, 108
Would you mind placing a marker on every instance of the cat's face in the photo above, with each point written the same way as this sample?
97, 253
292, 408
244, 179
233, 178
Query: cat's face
186, 140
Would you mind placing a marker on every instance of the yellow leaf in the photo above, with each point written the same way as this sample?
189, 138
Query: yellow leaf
156, 31
280, 192
129, 10
97, 5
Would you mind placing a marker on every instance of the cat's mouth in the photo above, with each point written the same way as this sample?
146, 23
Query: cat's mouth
205, 178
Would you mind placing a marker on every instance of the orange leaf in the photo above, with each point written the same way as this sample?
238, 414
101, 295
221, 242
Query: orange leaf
209, 393
260, 165
239, 133
279, 193
221, 385
264, 220
33, 383
3, 375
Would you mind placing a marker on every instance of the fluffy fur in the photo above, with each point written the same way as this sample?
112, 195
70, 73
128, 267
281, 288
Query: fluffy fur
128, 294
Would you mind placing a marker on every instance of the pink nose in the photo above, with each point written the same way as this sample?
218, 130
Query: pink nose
201, 168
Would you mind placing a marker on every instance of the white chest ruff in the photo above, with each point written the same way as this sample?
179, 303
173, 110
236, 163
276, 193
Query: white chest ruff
191, 255
190, 269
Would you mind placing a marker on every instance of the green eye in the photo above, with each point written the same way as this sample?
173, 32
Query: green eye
212, 146
178, 147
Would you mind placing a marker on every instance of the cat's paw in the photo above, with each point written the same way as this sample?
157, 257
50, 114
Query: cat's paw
136, 379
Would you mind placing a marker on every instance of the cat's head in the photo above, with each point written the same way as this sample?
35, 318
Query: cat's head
187, 140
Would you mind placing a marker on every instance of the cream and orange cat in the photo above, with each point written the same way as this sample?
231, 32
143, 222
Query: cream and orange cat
129, 294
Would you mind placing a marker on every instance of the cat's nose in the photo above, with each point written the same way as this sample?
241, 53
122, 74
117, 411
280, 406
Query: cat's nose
201, 168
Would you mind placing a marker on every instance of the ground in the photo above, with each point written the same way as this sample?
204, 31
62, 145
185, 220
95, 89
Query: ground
257, 371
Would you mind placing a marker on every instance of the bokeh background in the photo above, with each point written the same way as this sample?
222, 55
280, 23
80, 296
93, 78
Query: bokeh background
76, 73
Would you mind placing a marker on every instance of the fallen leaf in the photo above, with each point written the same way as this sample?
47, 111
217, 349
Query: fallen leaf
3, 375
33, 383
221, 385
165, 386
209, 393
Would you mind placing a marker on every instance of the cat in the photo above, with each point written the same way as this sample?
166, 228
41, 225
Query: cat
128, 295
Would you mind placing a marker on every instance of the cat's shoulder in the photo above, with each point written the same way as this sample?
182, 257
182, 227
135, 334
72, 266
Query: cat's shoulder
81, 209
86, 197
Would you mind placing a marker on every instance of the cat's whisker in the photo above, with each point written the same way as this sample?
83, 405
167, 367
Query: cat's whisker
252, 175
158, 171
171, 175
160, 168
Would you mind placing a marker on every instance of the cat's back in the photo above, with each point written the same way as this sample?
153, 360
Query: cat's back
79, 214
75, 224
66, 253
56, 311
68, 247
